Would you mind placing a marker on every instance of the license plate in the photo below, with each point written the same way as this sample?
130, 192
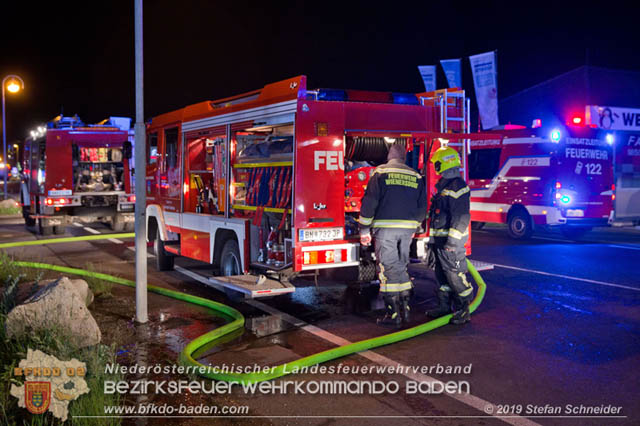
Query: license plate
321, 234
575, 213
58, 192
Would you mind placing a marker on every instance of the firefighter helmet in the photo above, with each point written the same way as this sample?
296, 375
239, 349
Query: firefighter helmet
445, 158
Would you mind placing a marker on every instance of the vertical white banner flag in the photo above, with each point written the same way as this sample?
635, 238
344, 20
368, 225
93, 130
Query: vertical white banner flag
483, 67
428, 73
452, 71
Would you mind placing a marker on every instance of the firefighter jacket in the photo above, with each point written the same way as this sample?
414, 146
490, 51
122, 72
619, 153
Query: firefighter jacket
449, 213
395, 198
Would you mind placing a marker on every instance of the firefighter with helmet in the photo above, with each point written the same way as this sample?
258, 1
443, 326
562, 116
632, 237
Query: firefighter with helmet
448, 226
393, 208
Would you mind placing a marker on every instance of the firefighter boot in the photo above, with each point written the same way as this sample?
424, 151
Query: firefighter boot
462, 314
392, 315
405, 297
444, 304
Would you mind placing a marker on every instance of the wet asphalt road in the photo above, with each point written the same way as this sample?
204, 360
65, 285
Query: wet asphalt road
560, 325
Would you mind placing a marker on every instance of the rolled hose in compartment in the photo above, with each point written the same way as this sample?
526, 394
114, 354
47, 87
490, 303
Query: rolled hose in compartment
236, 323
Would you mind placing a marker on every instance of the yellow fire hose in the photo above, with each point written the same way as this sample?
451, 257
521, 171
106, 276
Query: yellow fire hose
236, 323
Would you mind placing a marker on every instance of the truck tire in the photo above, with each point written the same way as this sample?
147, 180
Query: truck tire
117, 223
574, 232
44, 230
230, 259
29, 222
164, 260
59, 229
520, 224
476, 226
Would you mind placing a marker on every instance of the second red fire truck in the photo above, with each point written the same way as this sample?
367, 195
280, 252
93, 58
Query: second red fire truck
528, 177
74, 172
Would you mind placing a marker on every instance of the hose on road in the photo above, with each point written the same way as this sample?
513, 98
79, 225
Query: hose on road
236, 323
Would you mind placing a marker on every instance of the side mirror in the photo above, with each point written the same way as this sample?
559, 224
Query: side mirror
127, 149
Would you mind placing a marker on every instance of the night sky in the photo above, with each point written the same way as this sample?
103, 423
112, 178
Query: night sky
79, 59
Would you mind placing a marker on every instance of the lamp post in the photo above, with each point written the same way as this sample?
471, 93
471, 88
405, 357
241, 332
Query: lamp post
13, 84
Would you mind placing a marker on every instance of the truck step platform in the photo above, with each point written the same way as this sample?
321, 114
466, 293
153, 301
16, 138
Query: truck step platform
250, 287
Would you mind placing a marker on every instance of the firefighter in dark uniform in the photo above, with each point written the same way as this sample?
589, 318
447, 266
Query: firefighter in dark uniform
393, 208
448, 225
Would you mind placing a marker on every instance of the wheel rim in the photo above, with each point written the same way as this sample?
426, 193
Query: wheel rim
518, 226
230, 265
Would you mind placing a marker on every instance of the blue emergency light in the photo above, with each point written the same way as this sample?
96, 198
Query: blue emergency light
405, 98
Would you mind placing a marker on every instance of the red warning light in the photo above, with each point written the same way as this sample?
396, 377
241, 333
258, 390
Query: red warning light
577, 120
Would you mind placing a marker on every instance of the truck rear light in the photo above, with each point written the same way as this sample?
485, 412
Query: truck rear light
558, 185
131, 198
323, 257
576, 120
58, 201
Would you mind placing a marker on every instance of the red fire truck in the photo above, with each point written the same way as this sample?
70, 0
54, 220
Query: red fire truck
528, 177
270, 181
77, 173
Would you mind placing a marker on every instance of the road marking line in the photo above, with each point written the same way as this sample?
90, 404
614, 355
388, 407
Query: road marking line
624, 247
484, 231
95, 231
149, 255
568, 277
470, 400
551, 239
570, 241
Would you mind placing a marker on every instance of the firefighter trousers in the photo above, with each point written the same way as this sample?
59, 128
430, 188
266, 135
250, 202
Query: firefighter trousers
450, 270
392, 254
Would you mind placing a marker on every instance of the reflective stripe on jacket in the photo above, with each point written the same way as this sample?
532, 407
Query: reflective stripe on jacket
395, 198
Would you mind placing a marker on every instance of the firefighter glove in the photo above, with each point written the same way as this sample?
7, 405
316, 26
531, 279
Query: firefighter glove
365, 238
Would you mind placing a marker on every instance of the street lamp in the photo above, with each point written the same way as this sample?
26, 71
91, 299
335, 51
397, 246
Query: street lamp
13, 84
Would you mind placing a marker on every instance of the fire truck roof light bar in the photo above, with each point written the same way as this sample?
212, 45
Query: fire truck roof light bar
363, 96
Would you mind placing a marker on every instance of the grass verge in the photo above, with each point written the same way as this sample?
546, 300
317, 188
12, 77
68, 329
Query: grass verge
53, 342
10, 211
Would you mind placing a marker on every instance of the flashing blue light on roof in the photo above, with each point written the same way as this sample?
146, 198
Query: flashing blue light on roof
555, 135
332, 95
565, 199
405, 98
610, 138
